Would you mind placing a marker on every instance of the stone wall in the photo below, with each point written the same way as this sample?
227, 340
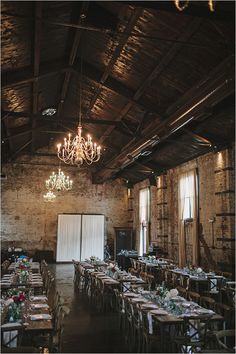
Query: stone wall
216, 209
30, 222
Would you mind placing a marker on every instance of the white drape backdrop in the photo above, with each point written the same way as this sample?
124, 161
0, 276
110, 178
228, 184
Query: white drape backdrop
79, 237
68, 237
92, 236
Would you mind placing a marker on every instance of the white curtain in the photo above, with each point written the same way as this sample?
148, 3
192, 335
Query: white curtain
188, 210
92, 236
68, 237
79, 237
144, 203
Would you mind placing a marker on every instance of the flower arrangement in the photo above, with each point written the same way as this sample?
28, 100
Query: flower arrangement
161, 291
151, 258
171, 294
112, 268
14, 304
24, 263
94, 259
19, 298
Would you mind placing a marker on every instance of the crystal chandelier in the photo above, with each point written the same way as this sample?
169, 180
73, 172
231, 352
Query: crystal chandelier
59, 182
49, 197
77, 150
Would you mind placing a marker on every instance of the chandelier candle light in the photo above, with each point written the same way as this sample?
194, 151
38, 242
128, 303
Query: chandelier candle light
59, 182
49, 197
76, 151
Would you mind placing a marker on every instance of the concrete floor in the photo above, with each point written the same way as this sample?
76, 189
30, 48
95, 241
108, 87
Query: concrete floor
86, 331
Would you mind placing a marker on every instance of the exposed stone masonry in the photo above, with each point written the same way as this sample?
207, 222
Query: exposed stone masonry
216, 212
30, 222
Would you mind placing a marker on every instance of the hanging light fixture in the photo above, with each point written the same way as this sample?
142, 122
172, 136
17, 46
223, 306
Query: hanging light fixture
59, 182
182, 5
49, 197
79, 149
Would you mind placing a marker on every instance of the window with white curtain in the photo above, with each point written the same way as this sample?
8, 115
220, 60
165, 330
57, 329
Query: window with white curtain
187, 195
144, 218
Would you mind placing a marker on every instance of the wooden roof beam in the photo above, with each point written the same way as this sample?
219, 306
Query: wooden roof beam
94, 74
161, 65
206, 93
122, 42
24, 75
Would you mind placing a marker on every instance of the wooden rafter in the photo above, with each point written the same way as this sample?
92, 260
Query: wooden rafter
218, 85
129, 28
22, 76
194, 25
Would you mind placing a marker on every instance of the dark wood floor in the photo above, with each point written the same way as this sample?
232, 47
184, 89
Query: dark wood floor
86, 331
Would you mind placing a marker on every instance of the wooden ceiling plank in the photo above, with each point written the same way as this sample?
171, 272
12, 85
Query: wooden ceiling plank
122, 42
36, 56
161, 65
112, 84
216, 86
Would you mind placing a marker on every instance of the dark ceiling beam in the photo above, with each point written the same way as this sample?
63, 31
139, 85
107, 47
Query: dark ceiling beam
36, 56
94, 74
122, 42
195, 10
72, 56
161, 65
68, 120
24, 132
21, 148
24, 76
204, 95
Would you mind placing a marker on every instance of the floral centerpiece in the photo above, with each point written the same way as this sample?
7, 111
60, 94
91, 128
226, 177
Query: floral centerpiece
14, 304
24, 263
161, 291
112, 268
94, 259
151, 258
194, 270
23, 276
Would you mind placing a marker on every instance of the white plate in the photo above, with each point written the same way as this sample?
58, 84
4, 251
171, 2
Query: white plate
41, 316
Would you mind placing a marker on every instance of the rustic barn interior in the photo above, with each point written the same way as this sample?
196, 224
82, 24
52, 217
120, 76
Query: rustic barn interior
126, 245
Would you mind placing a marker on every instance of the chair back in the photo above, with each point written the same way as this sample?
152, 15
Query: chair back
226, 340
11, 334
207, 302
193, 296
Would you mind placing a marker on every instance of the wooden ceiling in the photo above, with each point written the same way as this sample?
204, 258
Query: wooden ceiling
157, 83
